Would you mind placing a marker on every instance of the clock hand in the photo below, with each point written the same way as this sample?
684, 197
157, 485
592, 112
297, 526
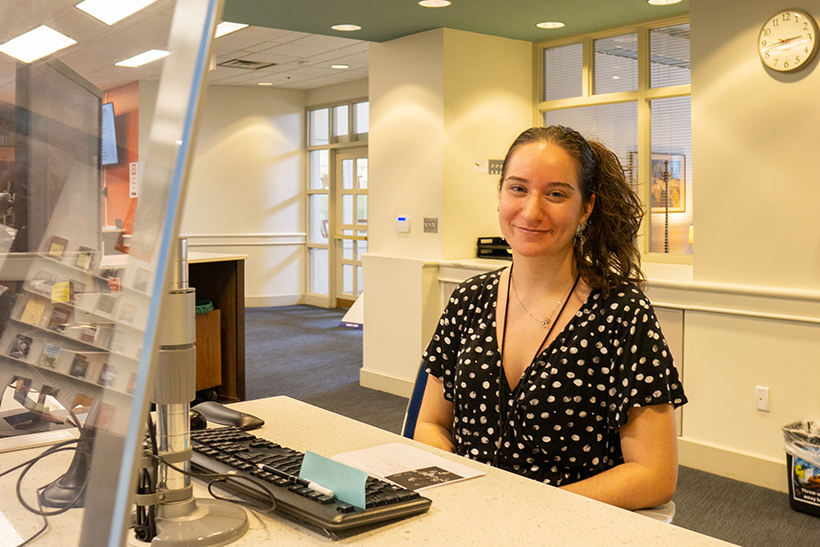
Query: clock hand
784, 41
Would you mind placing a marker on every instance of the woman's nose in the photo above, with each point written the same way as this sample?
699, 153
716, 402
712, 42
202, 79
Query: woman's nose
533, 209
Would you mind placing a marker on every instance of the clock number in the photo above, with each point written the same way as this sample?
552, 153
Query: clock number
787, 16
797, 60
775, 22
786, 64
767, 31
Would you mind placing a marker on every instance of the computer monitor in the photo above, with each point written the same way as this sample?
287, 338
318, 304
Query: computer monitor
81, 325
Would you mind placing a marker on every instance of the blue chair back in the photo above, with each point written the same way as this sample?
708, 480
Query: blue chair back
412, 413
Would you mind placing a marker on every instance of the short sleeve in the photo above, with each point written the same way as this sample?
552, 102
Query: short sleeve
645, 371
466, 310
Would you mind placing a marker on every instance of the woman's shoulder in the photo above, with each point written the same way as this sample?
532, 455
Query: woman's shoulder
476, 286
626, 296
485, 279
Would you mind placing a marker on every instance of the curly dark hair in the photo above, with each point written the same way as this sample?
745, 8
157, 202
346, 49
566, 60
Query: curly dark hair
606, 253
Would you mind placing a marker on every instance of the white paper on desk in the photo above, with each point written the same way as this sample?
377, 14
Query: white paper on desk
407, 466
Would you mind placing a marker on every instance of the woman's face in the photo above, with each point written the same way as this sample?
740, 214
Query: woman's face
540, 204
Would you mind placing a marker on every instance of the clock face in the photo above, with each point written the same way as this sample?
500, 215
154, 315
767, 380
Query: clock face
788, 41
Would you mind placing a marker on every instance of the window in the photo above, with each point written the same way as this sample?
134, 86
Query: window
632, 92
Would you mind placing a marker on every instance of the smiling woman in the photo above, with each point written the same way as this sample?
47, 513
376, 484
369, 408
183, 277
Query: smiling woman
571, 383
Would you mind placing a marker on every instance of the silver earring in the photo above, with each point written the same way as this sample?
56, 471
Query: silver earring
579, 234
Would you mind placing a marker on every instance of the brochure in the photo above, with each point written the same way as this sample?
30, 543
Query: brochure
407, 466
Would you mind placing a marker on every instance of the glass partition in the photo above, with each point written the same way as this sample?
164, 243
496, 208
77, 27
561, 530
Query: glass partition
80, 304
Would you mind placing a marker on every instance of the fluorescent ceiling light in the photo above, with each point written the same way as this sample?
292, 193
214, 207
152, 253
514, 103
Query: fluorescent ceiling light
111, 11
434, 3
143, 58
35, 44
346, 28
550, 24
264, 83
225, 27
663, 2
340, 67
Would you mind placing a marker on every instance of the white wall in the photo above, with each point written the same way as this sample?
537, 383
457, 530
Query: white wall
439, 102
752, 306
246, 188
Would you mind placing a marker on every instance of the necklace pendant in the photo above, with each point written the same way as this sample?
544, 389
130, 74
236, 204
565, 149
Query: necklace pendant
546, 322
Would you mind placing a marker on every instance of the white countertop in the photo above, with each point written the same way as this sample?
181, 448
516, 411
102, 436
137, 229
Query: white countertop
497, 509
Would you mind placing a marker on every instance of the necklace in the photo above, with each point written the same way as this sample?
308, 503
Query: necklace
544, 322
504, 421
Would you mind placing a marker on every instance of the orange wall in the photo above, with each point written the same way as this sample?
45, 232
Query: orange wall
116, 177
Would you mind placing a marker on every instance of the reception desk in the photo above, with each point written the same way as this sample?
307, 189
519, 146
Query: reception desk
498, 508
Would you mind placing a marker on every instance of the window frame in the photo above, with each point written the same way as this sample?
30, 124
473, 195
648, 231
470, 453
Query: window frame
644, 95
334, 144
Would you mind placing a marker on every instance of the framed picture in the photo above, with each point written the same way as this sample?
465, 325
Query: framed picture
668, 183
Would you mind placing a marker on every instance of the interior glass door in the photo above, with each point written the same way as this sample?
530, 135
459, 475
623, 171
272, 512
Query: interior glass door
350, 234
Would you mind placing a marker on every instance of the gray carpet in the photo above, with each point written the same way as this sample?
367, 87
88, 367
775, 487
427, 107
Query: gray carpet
300, 351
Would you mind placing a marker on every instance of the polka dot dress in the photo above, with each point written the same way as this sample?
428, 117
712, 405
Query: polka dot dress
562, 422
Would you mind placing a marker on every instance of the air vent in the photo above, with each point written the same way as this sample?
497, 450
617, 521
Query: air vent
247, 65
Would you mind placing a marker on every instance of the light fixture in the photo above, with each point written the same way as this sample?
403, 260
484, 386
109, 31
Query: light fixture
346, 28
143, 58
111, 11
35, 44
550, 24
264, 83
340, 67
434, 3
662, 2
225, 27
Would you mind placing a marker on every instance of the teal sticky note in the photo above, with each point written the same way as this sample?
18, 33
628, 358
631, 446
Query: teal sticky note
345, 481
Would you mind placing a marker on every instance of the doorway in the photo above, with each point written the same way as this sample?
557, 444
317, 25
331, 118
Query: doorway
350, 231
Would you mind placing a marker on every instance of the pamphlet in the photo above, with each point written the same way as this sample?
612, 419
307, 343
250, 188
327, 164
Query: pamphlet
407, 466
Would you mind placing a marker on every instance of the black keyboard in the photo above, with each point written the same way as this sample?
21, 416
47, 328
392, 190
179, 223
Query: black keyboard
230, 450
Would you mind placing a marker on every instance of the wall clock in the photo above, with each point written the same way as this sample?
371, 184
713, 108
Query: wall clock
788, 41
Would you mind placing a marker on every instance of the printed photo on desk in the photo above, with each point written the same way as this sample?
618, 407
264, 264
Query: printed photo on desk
407, 466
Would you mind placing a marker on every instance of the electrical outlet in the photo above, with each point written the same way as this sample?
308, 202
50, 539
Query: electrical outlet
762, 398
494, 167
430, 225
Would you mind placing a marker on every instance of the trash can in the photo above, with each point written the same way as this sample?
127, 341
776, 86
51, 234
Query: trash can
802, 444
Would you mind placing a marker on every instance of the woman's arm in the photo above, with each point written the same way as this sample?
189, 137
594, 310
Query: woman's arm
649, 473
435, 417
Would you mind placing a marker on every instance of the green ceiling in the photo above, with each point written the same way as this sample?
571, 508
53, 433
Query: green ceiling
383, 20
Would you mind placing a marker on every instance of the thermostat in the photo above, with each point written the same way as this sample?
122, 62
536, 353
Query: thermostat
403, 224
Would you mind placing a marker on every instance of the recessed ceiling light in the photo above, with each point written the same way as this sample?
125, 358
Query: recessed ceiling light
434, 3
340, 67
225, 27
35, 44
264, 83
346, 28
550, 24
663, 2
110, 11
143, 58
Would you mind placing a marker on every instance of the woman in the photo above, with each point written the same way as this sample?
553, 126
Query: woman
555, 367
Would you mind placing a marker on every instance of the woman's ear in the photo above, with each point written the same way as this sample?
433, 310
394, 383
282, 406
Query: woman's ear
588, 207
